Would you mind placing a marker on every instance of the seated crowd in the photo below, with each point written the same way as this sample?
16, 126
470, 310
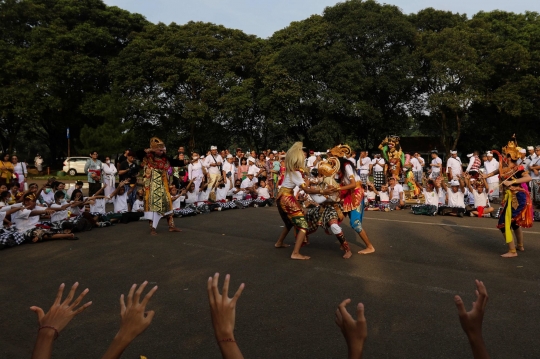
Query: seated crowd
135, 319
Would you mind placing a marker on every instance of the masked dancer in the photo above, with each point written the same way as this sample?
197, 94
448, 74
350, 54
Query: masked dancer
158, 201
289, 209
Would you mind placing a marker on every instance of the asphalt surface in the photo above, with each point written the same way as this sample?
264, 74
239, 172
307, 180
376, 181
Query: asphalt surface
287, 308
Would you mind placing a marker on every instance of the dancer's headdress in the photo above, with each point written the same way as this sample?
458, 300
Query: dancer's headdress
511, 149
330, 167
341, 151
157, 144
294, 159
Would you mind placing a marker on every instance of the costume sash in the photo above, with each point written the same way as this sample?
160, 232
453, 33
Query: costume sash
508, 216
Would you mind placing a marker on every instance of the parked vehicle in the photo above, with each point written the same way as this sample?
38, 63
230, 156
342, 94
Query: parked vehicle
74, 165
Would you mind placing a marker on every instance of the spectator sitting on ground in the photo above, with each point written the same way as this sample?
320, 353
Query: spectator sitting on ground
78, 185
431, 199
481, 201
396, 194
455, 198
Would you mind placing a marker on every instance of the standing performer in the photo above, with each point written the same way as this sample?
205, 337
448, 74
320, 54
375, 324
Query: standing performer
517, 205
352, 194
158, 201
289, 209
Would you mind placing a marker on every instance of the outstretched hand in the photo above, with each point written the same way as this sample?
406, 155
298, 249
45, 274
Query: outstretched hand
135, 318
61, 313
471, 321
223, 308
354, 331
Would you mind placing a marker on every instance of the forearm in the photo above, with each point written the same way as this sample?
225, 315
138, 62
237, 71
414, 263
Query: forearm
44, 344
478, 347
230, 350
355, 351
117, 347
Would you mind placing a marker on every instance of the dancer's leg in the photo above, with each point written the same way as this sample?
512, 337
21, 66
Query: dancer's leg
172, 227
298, 244
284, 232
519, 239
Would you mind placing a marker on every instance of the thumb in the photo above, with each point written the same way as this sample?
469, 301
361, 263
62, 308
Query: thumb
149, 316
38, 311
460, 306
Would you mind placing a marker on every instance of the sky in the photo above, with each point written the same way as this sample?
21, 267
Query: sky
263, 17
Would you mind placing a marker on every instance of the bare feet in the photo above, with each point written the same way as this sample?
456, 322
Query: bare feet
520, 248
282, 245
299, 256
509, 255
347, 255
368, 250
153, 231
174, 229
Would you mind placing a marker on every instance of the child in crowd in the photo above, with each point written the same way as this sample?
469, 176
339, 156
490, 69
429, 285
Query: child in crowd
371, 196
455, 198
384, 198
138, 205
431, 199
263, 195
480, 206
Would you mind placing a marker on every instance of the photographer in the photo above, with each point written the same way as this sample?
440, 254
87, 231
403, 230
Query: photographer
128, 171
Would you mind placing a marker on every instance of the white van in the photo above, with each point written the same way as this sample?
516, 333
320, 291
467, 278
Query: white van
74, 165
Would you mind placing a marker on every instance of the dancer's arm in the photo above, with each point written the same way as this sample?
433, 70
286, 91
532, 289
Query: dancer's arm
525, 178
223, 311
135, 320
56, 319
354, 331
471, 322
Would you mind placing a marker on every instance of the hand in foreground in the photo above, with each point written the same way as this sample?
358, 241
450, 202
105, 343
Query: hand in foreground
223, 308
61, 313
135, 320
471, 321
354, 331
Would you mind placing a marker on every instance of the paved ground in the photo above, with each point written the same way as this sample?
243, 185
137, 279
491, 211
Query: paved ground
287, 308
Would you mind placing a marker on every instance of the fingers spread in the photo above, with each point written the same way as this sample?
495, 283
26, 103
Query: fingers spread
59, 294
238, 293
82, 308
130, 295
148, 296
210, 292
215, 289
38, 311
138, 292
225, 292
69, 298
149, 316
79, 298
460, 306
122, 305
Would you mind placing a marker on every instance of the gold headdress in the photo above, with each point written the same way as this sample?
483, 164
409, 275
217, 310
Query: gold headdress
294, 159
30, 196
157, 144
511, 149
341, 151
329, 167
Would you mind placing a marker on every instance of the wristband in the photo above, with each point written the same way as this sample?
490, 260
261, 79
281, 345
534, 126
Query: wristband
227, 340
56, 334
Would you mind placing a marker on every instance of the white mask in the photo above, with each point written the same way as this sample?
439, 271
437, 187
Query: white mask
195, 157
108, 161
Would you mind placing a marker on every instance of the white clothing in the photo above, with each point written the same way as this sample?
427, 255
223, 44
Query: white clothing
263, 192
534, 162
254, 170
311, 159
455, 165
47, 198
435, 171
363, 165
109, 173
23, 221
395, 191
177, 203
238, 195
348, 174
20, 170
416, 166
491, 166
196, 174
59, 215
204, 195
378, 164
221, 193
431, 198
370, 195
229, 167
292, 180
213, 170
98, 206
480, 199
192, 197
456, 199
442, 196
138, 206
77, 210
384, 196
120, 203
248, 183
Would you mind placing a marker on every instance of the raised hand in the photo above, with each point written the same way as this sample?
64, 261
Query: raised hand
223, 308
354, 331
135, 320
471, 321
61, 313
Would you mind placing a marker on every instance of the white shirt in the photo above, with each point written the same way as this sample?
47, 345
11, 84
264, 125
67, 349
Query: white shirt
98, 206
395, 191
370, 195
238, 195
195, 170
213, 170
263, 192
48, 197
442, 196
534, 162
292, 180
221, 193
23, 220
416, 165
120, 203
456, 199
348, 174
59, 215
138, 206
436, 161
248, 183
431, 198
310, 160
204, 195
384, 197
20, 170
491, 166
377, 167
177, 203
455, 165
229, 167
191, 197
480, 199
363, 165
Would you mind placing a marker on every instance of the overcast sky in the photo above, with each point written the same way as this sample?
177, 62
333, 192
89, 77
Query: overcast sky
263, 18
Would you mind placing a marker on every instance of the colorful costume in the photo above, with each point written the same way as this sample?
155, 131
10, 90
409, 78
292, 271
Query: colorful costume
158, 201
393, 155
290, 211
